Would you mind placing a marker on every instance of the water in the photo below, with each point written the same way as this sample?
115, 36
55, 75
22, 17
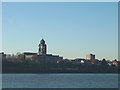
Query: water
60, 80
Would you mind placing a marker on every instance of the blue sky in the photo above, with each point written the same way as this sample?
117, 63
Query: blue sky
71, 30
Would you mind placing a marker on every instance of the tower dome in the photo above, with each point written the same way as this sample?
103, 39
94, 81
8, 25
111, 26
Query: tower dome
42, 41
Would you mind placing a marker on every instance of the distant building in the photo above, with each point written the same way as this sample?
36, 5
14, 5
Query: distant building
8, 56
42, 55
90, 57
95, 61
110, 63
49, 58
77, 61
28, 55
2, 55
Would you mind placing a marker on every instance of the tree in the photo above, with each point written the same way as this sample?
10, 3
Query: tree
104, 62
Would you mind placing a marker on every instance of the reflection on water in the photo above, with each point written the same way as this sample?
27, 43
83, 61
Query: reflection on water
60, 81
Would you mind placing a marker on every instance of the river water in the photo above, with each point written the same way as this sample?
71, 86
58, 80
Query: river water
60, 80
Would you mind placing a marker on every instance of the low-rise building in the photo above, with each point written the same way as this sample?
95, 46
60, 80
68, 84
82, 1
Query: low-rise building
2, 55
29, 55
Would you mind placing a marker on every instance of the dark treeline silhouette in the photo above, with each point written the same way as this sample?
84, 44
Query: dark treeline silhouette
20, 65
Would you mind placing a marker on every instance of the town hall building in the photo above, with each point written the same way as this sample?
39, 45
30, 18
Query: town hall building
42, 54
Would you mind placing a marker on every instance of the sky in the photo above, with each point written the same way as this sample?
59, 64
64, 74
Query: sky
71, 30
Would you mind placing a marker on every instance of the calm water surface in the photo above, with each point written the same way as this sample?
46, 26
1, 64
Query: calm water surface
60, 80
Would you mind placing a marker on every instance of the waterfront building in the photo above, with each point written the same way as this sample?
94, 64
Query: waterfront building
29, 55
77, 61
90, 57
8, 56
2, 55
42, 55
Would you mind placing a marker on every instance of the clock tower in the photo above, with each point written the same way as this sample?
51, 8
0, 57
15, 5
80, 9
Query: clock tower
42, 48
